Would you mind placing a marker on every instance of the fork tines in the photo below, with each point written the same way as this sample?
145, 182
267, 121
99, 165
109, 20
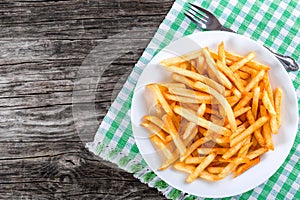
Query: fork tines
197, 15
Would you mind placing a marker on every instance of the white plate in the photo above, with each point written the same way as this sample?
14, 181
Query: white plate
270, 162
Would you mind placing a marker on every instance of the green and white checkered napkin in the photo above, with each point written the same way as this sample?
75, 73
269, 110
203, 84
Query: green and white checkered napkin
275, 24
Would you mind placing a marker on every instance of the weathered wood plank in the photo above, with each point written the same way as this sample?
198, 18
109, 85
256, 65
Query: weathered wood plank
68, 175
81, 19
44, 46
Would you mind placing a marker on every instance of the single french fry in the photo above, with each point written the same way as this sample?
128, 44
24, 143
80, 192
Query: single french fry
184, 167
172, 85
182, 58
267, 103
273, 124
183, 99
268, 136
241, 111
194, 160
193, 117
224, 80
196, 173
229, 160
268, 88
241, 169
197, 77
231, 75
255, 101
174, 133
278, 99
244, 101
215, 170
256, 153
252, 64
181, 79
266, 130
190, 93
256, 125
192, 148
156, 130
257, 66
257, 133
240, 129
274, 119
221, 53
235, 66
255, 80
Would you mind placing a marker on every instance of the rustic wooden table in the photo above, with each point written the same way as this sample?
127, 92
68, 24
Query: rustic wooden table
42, 47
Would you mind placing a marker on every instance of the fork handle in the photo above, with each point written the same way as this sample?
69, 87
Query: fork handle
288, 62
227, 29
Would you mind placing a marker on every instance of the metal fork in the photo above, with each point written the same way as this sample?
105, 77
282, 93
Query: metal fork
208, 21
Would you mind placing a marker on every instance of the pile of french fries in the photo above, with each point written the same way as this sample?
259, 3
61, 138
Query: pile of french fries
217, 114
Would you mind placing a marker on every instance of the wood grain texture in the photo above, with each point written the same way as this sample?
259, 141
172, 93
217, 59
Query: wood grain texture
43, 48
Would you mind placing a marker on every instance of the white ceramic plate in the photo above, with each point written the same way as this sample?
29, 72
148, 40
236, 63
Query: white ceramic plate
270, 162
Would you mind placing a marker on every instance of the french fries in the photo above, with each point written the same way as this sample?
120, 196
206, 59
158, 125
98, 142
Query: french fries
195, 174
217, 115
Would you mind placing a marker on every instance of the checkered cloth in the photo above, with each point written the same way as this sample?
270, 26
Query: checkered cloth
275, 24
